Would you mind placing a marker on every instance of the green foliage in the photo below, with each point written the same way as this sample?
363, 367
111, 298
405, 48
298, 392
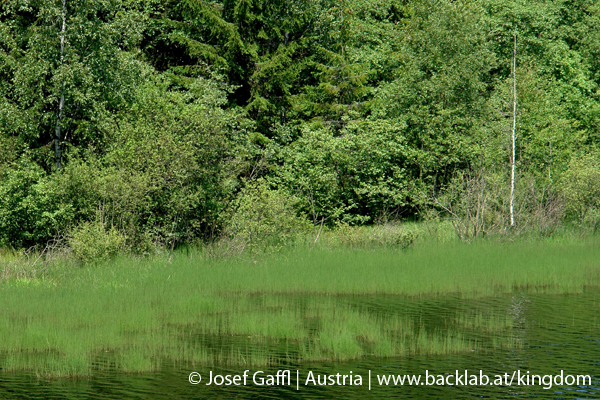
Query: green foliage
555, 39
360, 111
264, 217
96, 72
173, 145
312, 169
356, 176
30, 212
441, 89
581, 189
93, 242
162, 180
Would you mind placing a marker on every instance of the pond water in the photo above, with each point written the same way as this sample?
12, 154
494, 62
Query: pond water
547, 334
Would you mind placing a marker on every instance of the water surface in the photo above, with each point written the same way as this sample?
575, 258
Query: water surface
549, 333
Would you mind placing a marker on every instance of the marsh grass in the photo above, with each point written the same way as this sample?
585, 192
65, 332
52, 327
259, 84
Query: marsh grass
487, 322
477, 269
439, 344
288, 307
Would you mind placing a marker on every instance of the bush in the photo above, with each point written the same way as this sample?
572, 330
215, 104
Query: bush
474, 204
167, 168
264, 217
31, 212
350, 176
580, 186
477, 204
92, 242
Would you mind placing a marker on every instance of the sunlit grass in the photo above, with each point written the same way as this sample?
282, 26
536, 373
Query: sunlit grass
489, 322
287, 306
438, 344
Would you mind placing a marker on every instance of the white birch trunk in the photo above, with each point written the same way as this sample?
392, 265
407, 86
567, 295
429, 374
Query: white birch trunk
61, 103
514, 129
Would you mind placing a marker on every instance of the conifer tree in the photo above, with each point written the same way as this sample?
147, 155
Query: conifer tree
341, 83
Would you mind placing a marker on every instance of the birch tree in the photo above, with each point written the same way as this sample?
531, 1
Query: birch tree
513, 137
66, 66
61, 102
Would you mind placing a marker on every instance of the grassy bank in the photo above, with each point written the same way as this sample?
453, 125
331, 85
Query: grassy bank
289, 306
470, 269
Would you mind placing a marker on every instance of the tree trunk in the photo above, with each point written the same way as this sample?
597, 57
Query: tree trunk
61, 103
514, 128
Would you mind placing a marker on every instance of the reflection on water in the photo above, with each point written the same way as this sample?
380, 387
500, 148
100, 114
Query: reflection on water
549, 333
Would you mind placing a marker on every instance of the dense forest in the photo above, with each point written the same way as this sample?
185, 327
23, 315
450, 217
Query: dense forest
141, 124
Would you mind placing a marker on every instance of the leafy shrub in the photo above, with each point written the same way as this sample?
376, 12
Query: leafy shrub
581, 189
349, 176
264, 217
160, 179
92, 242
165, 170
31, 212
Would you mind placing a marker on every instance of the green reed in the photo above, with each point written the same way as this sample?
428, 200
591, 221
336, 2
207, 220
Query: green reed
290, 306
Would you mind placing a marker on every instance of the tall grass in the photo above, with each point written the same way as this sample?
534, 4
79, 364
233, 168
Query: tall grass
287, 306
480, 268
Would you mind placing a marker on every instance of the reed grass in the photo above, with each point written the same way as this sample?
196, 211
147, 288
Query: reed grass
488, 322
481, 269
287, 307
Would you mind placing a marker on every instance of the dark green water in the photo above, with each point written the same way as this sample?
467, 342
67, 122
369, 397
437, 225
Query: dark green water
553, 333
